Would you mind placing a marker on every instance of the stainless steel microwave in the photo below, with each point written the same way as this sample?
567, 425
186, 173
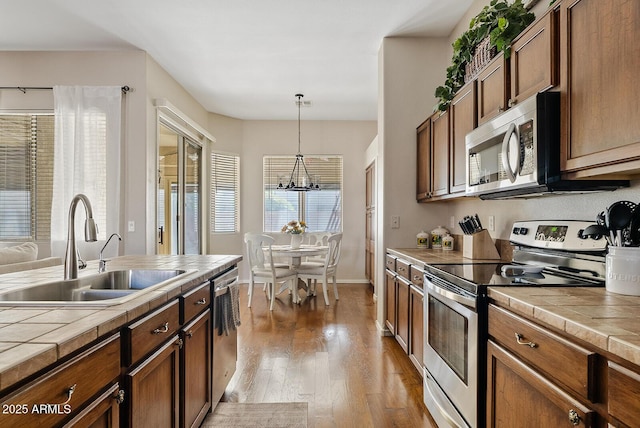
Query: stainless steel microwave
517, 154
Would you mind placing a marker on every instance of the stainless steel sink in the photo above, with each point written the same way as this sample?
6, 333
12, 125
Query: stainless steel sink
108, 288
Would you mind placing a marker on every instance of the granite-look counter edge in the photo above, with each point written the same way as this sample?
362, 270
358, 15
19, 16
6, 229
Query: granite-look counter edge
35, 336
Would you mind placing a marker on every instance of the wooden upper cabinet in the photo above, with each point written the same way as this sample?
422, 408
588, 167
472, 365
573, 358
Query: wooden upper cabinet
423, 159
440, 153
534, 58
599, 63
493, 89
463, 117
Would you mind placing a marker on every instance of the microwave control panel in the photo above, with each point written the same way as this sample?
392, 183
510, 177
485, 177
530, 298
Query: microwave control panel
563, 235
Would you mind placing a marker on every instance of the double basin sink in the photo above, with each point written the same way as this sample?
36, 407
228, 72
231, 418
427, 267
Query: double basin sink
107, 288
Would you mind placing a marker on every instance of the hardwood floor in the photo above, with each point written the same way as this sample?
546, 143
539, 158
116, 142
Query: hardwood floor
329, 356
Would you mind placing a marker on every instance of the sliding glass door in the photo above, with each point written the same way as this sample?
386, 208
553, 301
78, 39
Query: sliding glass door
179, 193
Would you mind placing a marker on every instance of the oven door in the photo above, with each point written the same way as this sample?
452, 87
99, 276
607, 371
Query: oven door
450, 354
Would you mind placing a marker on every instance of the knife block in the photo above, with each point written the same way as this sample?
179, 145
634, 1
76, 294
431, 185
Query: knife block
479, 246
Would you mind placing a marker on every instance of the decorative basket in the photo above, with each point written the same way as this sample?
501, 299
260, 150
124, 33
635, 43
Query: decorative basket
482, 55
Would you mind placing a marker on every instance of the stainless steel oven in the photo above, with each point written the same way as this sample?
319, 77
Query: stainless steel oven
545, 253
452, 351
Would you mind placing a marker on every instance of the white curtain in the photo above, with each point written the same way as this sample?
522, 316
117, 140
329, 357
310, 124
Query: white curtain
86, 160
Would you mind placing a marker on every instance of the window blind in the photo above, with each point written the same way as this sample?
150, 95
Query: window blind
321, 210
26, 176
225, 190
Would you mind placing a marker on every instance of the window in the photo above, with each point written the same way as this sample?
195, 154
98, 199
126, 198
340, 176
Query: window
321, 210
26, 176
225, 189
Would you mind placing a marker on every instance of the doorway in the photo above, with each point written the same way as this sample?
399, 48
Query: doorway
179, 193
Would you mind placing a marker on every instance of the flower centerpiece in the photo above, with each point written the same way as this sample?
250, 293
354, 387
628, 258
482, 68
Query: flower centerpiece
295, 228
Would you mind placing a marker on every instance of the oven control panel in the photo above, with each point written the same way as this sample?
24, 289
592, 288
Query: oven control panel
563, 235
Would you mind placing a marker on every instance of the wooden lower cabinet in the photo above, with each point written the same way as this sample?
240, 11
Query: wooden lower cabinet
103, 412
624, 393
153, 386
518, 396
402, 325
390, 301
195, 382
64, 391
416, 343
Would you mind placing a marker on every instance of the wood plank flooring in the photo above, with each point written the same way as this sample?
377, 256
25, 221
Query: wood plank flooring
329, 356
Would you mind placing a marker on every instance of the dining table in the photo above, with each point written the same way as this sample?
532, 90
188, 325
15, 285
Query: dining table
295, 255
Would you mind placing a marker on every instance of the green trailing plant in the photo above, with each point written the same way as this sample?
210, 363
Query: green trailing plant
501, 22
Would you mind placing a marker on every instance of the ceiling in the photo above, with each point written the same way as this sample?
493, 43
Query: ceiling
242, 58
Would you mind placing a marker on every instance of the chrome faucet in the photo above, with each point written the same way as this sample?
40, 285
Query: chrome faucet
102, 265
90, 235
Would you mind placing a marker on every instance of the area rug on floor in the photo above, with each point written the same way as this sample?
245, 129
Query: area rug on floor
267, 415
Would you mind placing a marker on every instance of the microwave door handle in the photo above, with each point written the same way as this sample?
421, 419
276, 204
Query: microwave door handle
511, 174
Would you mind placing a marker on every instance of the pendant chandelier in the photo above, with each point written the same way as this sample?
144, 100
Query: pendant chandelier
300, 179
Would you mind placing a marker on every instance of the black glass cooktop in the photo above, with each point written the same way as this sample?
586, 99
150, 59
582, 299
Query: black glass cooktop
477, 275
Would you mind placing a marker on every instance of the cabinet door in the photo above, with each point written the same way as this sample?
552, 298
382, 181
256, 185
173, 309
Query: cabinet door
195, 399
518, 396
152, 393
423, 158
103, 412
416, 350
390, 301
600, 85
534, 58
624, 390
463, 120
402, 308
493, 88
440, 154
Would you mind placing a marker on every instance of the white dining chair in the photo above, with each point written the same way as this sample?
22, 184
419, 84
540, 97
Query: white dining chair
319, 239
262, 269
313, 270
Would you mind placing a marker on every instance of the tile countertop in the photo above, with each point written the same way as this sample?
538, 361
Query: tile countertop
432, 257
35, 336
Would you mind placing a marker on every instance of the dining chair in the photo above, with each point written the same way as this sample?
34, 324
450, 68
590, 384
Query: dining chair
316, 238
324, 270
262, 269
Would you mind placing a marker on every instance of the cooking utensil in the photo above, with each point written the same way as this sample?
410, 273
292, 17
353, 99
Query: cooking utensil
634, 227
617, 218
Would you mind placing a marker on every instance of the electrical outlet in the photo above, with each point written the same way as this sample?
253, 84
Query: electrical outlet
452, 223
395, 222
492, 223
132, 226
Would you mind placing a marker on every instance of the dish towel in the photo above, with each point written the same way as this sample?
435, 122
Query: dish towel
228, 310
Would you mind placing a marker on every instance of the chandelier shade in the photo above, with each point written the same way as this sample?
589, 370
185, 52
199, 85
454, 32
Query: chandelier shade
300, 180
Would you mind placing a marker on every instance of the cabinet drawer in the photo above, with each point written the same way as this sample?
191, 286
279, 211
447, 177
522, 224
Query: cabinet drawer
416, 277
150, 332
194, 302
402, 268
624, 390
391, 263
63, 390
563, 361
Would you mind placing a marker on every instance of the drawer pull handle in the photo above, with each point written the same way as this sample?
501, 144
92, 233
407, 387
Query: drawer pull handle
70, 392
119, 397
189, 334
202, 301
416, 278
163, 329
574, 417
519, 338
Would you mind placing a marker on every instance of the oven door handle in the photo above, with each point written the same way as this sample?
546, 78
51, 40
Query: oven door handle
448, 418
451, 295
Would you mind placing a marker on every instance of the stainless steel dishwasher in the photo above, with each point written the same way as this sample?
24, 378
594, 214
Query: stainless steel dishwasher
225, 347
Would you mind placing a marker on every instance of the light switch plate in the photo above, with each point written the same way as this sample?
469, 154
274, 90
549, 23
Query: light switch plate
395, 222
132, 226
